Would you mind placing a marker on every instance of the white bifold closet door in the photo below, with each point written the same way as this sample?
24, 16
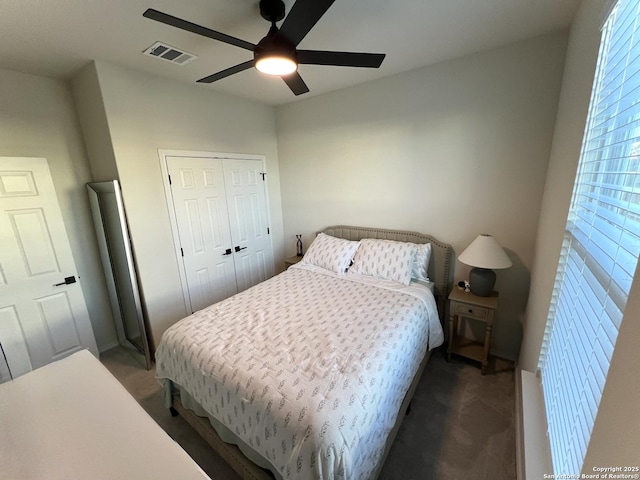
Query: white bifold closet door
222, 222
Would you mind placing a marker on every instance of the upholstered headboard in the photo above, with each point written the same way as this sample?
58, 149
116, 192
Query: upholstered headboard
440, 271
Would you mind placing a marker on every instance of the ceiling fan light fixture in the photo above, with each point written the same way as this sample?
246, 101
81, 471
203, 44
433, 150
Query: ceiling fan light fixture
276, 65
275, 55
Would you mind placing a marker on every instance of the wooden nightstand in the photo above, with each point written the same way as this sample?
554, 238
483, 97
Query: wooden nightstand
467, 305
291, 261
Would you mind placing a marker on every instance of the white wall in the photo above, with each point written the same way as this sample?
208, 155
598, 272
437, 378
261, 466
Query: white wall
146, 113
38, 119
94, 124
615, 440
582, 53
455, 150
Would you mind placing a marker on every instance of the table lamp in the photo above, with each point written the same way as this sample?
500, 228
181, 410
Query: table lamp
484, 254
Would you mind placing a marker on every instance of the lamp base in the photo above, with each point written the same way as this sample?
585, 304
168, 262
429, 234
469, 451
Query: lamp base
482, 281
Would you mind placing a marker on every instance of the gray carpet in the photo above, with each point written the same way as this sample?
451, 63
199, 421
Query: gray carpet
461, 424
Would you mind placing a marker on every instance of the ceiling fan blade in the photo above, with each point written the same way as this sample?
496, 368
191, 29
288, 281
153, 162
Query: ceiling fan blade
295, 83
304, 14
340, 59
225, 73
194, 28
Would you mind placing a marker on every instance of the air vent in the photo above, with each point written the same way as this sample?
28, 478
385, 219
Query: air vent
170, 54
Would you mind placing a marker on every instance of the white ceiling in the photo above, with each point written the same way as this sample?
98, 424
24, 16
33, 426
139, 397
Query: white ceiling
55, 38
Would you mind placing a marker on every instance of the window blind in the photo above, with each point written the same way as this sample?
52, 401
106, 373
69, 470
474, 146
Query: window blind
600, 247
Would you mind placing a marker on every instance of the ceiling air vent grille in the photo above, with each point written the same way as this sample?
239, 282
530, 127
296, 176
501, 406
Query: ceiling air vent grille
170, 54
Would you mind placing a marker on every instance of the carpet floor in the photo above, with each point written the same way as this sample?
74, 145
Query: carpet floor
461, 424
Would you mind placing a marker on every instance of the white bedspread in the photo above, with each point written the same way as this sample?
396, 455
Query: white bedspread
73, 420
308, 368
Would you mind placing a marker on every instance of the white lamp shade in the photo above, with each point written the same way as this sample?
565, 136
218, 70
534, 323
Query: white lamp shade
485, 252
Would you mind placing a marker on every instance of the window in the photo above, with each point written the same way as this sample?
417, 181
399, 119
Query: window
600, 247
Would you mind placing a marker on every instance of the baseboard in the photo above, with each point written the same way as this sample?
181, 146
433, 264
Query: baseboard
108, 346
533, 454
503, 355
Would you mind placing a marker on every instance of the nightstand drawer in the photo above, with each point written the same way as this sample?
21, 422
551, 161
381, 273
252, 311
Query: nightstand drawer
481, 309
478, 312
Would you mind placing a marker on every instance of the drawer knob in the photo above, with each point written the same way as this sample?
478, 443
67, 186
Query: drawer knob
470, 311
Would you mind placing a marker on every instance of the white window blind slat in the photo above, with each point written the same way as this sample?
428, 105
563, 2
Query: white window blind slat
614, 313
583, 432
622, 33
613, 106
591, 399
600, 249
612, 87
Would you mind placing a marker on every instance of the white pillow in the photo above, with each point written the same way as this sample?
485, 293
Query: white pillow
386, 259
420, 269
330, 253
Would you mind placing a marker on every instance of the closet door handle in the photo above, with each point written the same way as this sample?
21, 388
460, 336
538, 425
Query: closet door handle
227, 252
237, 248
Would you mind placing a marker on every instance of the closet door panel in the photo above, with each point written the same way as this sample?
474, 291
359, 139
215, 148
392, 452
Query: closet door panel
201, 211
248, 218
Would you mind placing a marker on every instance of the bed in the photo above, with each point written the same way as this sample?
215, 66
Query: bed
308, 374
72, 419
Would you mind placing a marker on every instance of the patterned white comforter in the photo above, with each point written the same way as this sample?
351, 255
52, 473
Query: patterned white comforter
308, 368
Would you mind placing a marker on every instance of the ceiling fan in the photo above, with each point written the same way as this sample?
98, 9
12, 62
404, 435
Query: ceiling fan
276, 54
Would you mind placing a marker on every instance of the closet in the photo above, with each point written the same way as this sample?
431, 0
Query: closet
219, 214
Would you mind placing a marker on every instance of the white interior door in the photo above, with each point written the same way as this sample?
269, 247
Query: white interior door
248, 221
43, 315
200, 204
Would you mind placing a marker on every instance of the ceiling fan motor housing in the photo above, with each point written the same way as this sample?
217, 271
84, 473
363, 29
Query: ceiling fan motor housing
274, 45
272, 10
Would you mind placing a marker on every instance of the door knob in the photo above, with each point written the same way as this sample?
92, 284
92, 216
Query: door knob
237, 248
67, 281
227, 252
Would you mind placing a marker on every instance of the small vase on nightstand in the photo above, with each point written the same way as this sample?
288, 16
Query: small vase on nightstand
299, 252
